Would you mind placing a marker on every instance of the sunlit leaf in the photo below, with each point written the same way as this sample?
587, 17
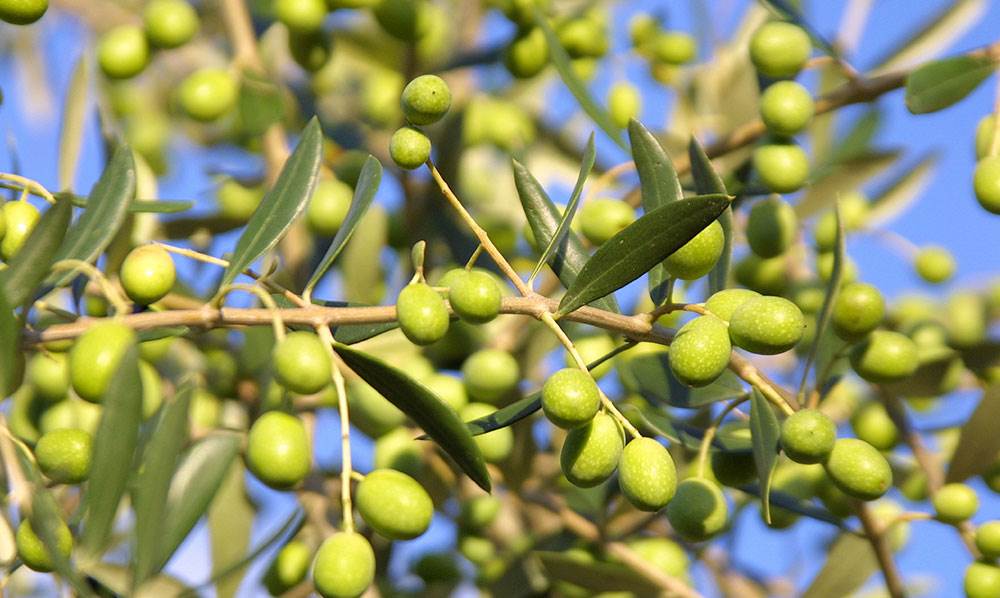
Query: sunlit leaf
73, 122
939, 84
938, 32
764, 433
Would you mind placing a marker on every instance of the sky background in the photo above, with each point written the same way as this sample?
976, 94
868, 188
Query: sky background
946, 214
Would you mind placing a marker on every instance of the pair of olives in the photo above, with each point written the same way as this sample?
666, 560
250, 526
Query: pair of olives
124, 51
425, 100
423, 316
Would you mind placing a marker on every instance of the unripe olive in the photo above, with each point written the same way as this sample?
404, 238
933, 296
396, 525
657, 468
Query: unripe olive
583, 37
301, 363
289, 567
767, 325
982, 580
496, 445
152, 389
409, 148
21, 218
372, 412
965, 319
722, 304
642, 29
934, 264
824, 267
858, 309
858, 469
328, 207
301, 16
590, 349
449, 389
522, 12
32, 550
278, 451
425, 99
169, 23
64, 455
490, 375
698, 256
807, 436
123, 52
475, 296
986, 183
786, 107
782, 167
148, 274
207, 94
955, 503
795, 481
771, 227
478, 550
885, 356
570, 398
624, 103
422, 314
984, 135
779, 49
663, 554
603, 218
527, 54
673, 47
698, 510
344, 566
399, 450
48, 375
988, 539
871, 423
95, 357
647, 474
478, 513
394, 504
405, 20
700, 351
236, 201
833, 498
762, 275
591, 452
221, 371
22, 12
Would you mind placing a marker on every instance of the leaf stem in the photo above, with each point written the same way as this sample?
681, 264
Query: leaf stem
29, 185
706, 440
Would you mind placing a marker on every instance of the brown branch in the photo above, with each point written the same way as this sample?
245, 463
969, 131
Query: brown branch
876, 536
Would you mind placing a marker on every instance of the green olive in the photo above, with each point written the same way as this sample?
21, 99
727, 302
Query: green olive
278, 451
21, 218
858, 469
495, 446
771, 227
982, 580
779, 49
857, 310
344, 566
397, 449
450, 389
425, 100
478, 513
673, 47
237, 202
207, 94
64, 455
807, 436
289, 567
490, 375
527, 54
934, 264
48, 375
311, 50
328, 207
786, 107
624, 103
148, 274
955, 503
372, 412
782, 167
663, 554
570, 398
170, 23
422, 314
301, 16
647, 475
603, 218
590, 349
700, 351
475, 296
885, 356
698, 510
405, 20
767, 325
871, 423
988, 539
32, 550
591, 452
22, 12
302, 363
762, 275
409, 148
966, 319
722, 304
95, 357
394, 504
986, 183
697, 257
123, 52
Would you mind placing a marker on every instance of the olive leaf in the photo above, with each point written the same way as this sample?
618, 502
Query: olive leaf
829, 297
30, 265
230, 520
937, 32
797, 506
941, 83
849, 563
595, 576
10, 344
978, 442
707, 180
900, 193
73, 122
764, 433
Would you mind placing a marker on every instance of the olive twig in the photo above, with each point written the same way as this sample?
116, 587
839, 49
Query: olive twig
709, 436
28, 186
268, 301
347, 469
110, 292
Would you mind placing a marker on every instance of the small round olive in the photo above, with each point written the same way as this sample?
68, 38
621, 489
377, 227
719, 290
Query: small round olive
698, 510
762, 275
425, 100
934, 264
278, 451
409, 148
21, 218
397, 449
478, 513
207, 94
779, 49
344, 566
885, 356
782, 167
236, 201
603, 218
301, 16
328, 206
871, 423
858, 469
986, 183
570, 398
624, 103
490, 375
301, 363
700, 351
475, 296
289, 567
394, 504
807, 436
724, 303
647, 474
123, 52
786, 107
48, 375
423, 316
955, 503
697, 257
767, 325
450, 389
673, 47
170, 23
64, 455
591, 452
982, 580
32, 550
988, 539
148, 274
858, 309
527, 54
771, 227
95, 357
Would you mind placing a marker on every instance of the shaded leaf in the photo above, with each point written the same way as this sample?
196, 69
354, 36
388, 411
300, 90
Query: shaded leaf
350, 334
849, 563
797, 505
31, 264
901, 192
978, 442
707, 181
939, 84
281, 204
160, 206
595, 576
10, 344
259, 104
73, 121
437, 419
117, 579
230, 518
641, 246
939, 31
764, 433
829, 297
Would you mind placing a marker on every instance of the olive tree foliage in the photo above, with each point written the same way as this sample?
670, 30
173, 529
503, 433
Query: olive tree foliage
715, 348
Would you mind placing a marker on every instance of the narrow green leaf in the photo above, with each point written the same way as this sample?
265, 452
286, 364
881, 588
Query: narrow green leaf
364, 192
106, 208
901, 192
230, 519
561, 60
706, 181
937, 33
832, 290
764, 433
114, 448
73, 122
420, 404
195, 484
350, 334
842, 177
939, 84
281, 205
10, 344
160, 206
30, 265
543, 218
978, 442
159, 461
595, 576
507, 416
574, 200
640, 246
117, 580
849, 563
797, 505
657, 423
259, 104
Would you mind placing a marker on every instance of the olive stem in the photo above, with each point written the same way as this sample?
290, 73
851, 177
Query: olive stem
110, 292
472, 258
347, 470
29, 186
667, 308
277, 323
706, 440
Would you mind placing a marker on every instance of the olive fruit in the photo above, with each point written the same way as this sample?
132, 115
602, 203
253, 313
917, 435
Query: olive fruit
885, 356
422, 314
647, 475
786, 107
984, 135
698, 256
794, 481
21, 218
22, 12
450, 389
603, 218
807, 436
207, 94
48, 375
986, 183
722, 304
496, 445
301, 16
854, 209
782, 167
32, 550
871, 423
771, 227
824, 267
478, 513
767, 325
700, 351
148, 274
490, 375
570, 398
475, 296
344, 566
221, 371
673, 47
397, 449
583, 37
642, 29
857, 310
527, 54
123, 52
965, 319
394, 504
624, 103
663, 554
591, 348
405, 20
779, 49
858, 469
328, 207
278, 450
95, 357
289, 567
733, 469
988, 539
955, 503
762, 275
372, 412
237, 202
409, 148
982, 580
302, 363
698, 510
64, 455
591, 452
169, 23
934, 264
425, 99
